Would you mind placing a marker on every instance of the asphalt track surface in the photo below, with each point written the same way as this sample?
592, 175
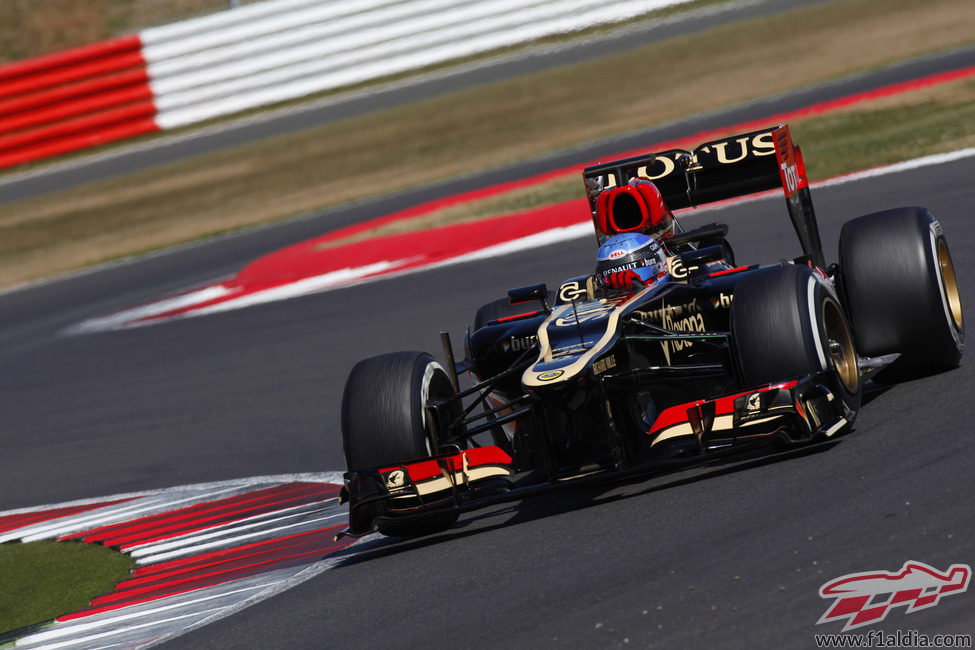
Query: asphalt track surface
728, 555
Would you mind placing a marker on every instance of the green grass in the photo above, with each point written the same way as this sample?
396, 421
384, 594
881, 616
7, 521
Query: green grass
852, 140
42, 580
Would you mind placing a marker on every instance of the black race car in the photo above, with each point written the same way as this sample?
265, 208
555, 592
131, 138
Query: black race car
708, 356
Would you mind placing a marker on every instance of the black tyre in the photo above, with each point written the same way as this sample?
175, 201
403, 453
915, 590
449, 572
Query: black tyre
787, 323
384, 420
901, 291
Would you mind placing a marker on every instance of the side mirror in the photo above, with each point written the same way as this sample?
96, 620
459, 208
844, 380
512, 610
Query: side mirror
527, 294
695, 259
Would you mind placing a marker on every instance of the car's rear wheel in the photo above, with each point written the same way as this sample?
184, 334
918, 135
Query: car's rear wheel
901, 290
786, 323
385, 421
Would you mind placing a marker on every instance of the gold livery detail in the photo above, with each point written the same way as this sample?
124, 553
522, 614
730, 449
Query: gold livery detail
604, 364
722, 152
692, 323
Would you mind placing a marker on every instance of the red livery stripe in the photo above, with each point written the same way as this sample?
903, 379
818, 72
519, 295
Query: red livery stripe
212, 569
722, 406
476, 457
224, 510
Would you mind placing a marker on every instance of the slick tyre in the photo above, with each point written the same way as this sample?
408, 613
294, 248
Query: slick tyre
786, 323
901, 292
384, 419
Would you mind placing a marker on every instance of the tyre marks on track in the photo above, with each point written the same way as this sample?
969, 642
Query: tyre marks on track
201, 552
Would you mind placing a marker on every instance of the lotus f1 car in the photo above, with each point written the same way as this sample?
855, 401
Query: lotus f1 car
711, 356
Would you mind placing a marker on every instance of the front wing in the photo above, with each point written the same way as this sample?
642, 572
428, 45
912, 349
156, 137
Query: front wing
468, 479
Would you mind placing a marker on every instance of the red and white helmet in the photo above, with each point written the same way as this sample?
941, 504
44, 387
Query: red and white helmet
637, 206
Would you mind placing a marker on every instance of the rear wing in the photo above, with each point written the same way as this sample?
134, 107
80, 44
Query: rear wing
721, 169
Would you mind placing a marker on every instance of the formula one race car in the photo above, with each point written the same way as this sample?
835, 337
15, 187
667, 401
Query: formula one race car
671, 350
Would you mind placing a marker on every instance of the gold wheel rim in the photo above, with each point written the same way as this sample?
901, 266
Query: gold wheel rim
950, 284
840, 343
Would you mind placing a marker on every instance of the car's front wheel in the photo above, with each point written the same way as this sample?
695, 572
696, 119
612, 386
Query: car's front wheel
385, 420
786, 323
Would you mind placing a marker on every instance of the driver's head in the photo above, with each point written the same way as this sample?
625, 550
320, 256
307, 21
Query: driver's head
637, 206
631, 252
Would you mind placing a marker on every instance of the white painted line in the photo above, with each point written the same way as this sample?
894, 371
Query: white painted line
198, 492
397, 268
182, 550
88, 641
896, 168
306, 573
131, 318
231, 527
109, 515
282, 69
119, 319
126, 614
305, 286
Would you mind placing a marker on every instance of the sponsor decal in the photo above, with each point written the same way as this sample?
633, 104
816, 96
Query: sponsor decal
396, 480
866, 598
629, 266
604, 364
550, 375
519, 343
722, 300
791, 177
727, 152
760, 145
657, 315
693, 323
753, 403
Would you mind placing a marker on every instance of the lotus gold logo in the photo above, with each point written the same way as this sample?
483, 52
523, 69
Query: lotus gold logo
396, 480
725, 152
754, 402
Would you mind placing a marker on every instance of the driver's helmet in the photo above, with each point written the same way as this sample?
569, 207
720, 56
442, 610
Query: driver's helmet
631, 251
